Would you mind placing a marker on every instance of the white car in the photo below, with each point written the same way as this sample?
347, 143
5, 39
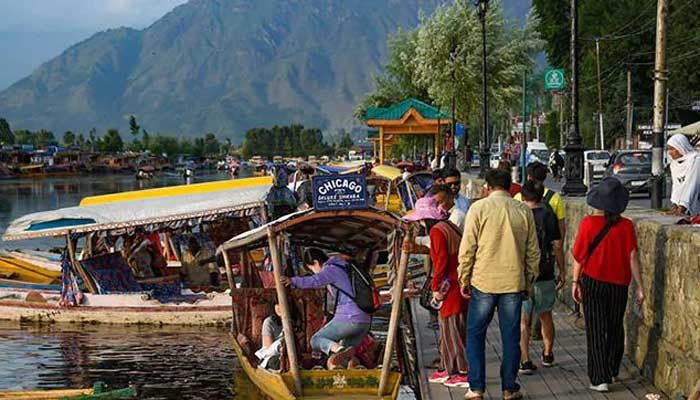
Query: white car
598, 159
493, 162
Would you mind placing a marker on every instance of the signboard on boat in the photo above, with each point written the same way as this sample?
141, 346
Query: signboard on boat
340, 192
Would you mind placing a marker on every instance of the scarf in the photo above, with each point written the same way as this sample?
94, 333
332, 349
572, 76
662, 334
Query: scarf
683, 172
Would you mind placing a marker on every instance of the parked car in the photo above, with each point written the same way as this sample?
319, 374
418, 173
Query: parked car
495, 159
475, 161
632, 168
598, 159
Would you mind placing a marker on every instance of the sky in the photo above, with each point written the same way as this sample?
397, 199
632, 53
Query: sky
35, 31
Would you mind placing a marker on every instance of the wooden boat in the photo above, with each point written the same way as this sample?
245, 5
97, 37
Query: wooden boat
384, 181
146, 301
21, 270
413, 187
98, 391
363, 232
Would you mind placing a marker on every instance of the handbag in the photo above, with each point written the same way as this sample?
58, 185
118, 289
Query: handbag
426, 292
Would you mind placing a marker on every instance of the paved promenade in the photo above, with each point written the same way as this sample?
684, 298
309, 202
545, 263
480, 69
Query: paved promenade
566, 380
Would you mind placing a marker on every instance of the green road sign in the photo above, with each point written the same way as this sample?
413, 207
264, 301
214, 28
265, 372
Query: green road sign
554, 79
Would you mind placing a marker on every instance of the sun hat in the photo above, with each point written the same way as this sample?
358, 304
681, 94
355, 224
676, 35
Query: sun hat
609, 196
426, 208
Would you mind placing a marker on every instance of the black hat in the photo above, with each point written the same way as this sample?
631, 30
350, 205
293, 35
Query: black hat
609, 196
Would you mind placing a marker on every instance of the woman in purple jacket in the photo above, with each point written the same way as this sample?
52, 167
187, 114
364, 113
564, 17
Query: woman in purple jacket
338, 338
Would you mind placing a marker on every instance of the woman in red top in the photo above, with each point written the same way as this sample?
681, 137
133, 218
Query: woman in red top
605, 254
445, 238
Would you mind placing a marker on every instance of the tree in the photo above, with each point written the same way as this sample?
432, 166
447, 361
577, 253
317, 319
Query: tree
210, 145
68, 138
111, 142
345, 142
24, 136
80, 141
449, 57
134, 126
6, 135
146, 139
44, 138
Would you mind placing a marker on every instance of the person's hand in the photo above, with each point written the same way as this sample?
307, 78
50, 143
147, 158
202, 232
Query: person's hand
438, 296
286, 281
639, 295
576, 293
560, 282
466, 292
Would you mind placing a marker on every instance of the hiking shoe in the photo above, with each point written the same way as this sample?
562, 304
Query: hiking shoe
438, 377
512, 395
547, 360
458, 380
527, 368
341, 358
602, 388
473, 395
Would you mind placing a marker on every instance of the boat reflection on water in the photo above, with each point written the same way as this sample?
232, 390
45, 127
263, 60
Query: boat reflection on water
162, 363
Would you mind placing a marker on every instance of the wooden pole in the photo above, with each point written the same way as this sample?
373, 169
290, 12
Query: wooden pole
284, 310
600, 96
628, 125
381, 145
397, 300
78, 267
229, 271
246, 272
232, 287
659, 128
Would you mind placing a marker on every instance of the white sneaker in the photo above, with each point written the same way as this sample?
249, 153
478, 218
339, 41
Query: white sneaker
603, 387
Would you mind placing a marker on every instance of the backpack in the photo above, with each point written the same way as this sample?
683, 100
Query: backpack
546, 199
546, 253
366, 294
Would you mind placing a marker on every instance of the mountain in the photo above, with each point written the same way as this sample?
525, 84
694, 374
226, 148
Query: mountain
220, 66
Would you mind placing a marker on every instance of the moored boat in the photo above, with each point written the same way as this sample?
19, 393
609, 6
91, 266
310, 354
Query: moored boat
101, 278
98, 391
363, 233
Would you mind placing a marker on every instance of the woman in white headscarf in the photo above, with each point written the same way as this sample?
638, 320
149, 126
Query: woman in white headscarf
685, 173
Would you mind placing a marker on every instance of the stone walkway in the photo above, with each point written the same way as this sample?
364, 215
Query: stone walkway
566, 380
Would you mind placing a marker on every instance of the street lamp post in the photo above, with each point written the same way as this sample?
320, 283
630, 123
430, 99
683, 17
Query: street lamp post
485, 154
574, 145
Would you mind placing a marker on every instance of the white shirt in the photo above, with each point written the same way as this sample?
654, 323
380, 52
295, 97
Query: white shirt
458, 213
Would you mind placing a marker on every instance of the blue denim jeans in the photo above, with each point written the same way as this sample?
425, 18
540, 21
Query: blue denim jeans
481, 309
344, 333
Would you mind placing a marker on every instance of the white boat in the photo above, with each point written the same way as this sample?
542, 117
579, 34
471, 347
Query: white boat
156, 300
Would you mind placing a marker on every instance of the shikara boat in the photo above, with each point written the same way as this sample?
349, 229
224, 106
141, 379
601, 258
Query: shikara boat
98, 391
363, 233
101, 286
383, 182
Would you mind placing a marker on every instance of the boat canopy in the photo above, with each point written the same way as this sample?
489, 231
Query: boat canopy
151, 210
342, 230
385, 171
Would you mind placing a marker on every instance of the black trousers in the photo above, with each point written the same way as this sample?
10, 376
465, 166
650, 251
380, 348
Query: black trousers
604, 311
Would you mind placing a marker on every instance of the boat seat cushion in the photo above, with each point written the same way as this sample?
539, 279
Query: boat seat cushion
111, 274
252, 306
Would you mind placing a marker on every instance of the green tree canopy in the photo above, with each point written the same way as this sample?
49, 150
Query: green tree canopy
111, 142
134, 126
288, 141
6, 135
68, 138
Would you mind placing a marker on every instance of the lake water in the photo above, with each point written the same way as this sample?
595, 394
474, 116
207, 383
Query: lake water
164, 363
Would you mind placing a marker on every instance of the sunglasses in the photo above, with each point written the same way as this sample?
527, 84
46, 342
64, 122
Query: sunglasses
454, 184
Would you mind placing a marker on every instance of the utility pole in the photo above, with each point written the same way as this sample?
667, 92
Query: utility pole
574, 147
628, 126
600, 96
523, 140
660, 81
485, 154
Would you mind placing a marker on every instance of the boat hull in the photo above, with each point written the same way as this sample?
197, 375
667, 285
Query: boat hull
352, 384
37, 306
